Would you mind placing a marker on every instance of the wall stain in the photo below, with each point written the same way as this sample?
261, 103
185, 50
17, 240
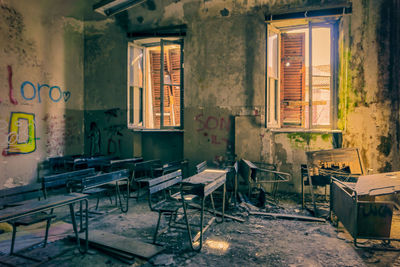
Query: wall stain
17, 44
386, 145
224, 12
386, 168
302, 139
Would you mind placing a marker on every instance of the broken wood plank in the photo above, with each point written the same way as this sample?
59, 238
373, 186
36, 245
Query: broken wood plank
287, 216
251, 207
123, 257
123, 244
198, 235
197, 206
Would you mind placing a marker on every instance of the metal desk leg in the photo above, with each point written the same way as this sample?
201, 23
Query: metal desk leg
80, 216
74, 226
223, 203
200, 234
236, 188
119, 196
186, 218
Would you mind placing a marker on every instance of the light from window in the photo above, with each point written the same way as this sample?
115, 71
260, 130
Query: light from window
155, 91
292, 84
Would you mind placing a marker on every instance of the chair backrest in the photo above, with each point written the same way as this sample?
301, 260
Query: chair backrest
165, 181
61, 180
247, 169
9, 196
58, 164
201, 166
174, 166
97, 162
145, 168
118, 164
340, 163
88, 182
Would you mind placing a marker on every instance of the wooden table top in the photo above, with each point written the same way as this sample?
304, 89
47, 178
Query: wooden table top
206, 181
378, 184
32, 206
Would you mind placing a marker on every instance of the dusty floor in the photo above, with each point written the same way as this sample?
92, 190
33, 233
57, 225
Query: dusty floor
257, 242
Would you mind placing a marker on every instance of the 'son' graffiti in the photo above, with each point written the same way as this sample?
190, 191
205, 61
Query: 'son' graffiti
21, 134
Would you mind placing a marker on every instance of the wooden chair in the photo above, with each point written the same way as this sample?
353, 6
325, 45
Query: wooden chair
201, 166
165, 205
57, 181
143, 171
92, 184
10, 197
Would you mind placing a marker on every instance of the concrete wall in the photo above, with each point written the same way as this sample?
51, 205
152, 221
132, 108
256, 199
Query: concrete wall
224, 82
105, 87
369, 96
41, 81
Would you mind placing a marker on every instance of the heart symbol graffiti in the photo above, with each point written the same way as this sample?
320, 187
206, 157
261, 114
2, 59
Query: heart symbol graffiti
66, 95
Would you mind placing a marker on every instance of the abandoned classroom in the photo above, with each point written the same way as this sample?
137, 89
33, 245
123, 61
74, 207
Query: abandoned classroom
199, 133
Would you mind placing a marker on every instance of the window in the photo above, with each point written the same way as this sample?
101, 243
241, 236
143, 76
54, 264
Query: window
300, 77
155, 84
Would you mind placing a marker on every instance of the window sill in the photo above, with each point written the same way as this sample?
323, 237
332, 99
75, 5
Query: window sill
299, 130
157, 130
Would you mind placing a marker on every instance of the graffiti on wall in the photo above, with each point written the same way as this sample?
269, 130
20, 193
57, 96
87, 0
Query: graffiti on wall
21, 137
10, 86
114, 143
215, 128
31, 92
95, 139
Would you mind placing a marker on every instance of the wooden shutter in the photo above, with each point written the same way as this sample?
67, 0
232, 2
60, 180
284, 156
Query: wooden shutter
292, 80
174, 56
155, 67
172, 64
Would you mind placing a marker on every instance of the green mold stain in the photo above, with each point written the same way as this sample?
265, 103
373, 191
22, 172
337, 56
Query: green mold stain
301, 140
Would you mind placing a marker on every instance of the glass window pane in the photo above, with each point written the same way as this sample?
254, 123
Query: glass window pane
273, 55
321, 76
137, 106
130, 105
137, 67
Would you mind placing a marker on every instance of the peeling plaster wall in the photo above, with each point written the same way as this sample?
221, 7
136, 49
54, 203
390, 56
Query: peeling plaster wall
224, 81
369, 97
41, 81
105, 87
48, 43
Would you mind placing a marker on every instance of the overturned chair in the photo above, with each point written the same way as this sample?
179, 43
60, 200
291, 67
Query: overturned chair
257, 174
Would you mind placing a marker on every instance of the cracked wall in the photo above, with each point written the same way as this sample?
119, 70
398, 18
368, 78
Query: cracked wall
225, 82
41, 81
69, 46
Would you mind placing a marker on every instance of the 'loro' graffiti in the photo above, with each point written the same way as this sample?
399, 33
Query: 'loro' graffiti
30, 92
21, 138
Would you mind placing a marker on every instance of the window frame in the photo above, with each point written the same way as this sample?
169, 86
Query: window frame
145, 44
333, 24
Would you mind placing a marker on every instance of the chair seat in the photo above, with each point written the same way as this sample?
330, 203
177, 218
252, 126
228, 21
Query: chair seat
143, 179
32, 219
167, 206
177, 196
96, 190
